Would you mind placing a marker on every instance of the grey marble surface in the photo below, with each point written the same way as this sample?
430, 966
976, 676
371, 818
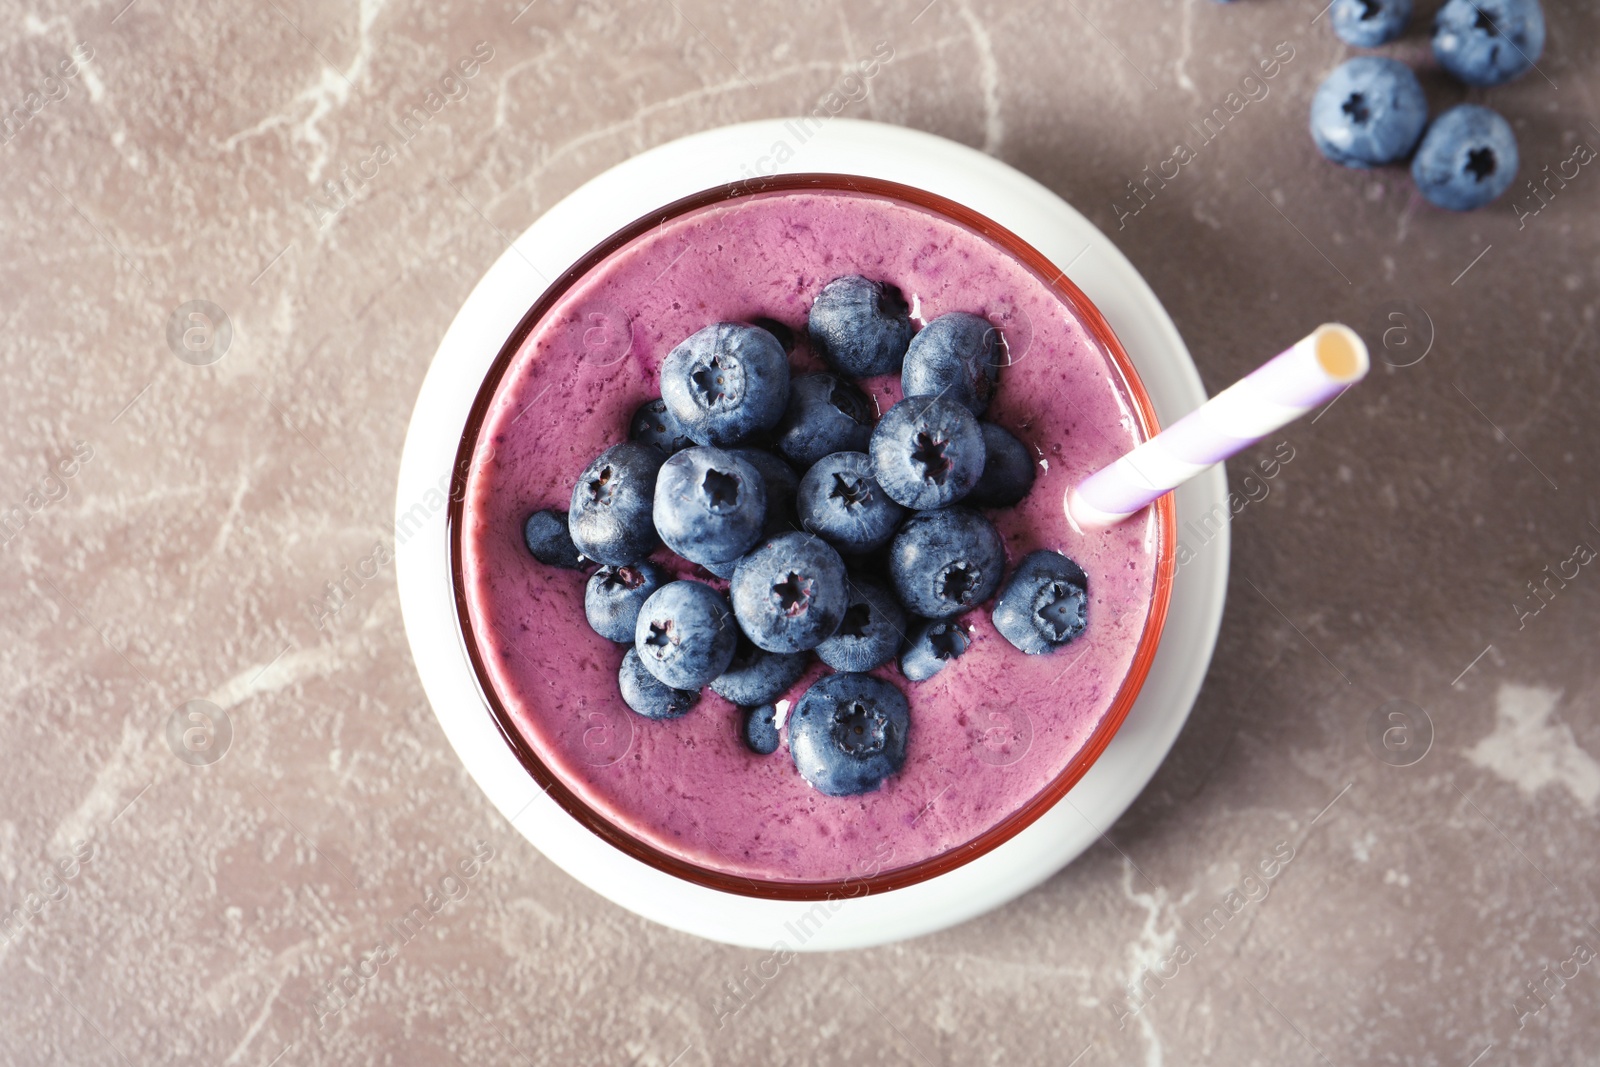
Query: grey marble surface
171, 523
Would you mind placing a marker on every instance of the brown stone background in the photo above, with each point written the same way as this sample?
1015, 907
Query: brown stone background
1388, 560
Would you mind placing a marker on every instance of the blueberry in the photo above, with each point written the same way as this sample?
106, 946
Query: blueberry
944, 562
784, 334
826, 414
840, 501
1467, 158
726, 383
647, 695
1007, 469
1488, 42
1369, 111
789, 594
653, 424
685, 634
546, 535
612, 600
848, 733
757, 676
722, 568
780, 482
1045, 603
927, 452
872, 630
860, 327
759, 728
610, 517
710, 505
955, 356
1369, 23
932, 644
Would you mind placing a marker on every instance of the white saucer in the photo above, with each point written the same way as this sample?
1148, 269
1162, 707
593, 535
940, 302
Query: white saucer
557, 240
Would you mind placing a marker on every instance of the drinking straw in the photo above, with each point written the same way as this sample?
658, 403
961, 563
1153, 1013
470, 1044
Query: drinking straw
1314, 370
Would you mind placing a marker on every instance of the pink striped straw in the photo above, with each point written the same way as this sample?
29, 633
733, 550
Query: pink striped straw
1316, 369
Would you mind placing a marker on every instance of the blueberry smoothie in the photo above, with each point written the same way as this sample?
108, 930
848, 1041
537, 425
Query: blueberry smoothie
905, 394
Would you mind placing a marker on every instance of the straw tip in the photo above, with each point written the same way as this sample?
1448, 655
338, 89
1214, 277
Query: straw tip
1341, 352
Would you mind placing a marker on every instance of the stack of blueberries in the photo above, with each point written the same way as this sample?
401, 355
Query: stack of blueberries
791, 490
1371, 111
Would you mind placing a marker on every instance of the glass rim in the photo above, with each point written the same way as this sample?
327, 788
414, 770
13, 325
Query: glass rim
602, 826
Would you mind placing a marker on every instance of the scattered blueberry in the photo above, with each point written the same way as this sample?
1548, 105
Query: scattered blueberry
612, 600
759, 728
944, 562
927, 452
1488, 42
1007, 469
1045, 603
1466, 159
955, 356
610, 516
840, 501
826, 414
861, 327
1369, 111
710, 505
546, 535
757, 676
870, 633
726, 383
848, 733
1369, 23
685, 635
780, 482
931, 646
789, 594
647, 695
653, 424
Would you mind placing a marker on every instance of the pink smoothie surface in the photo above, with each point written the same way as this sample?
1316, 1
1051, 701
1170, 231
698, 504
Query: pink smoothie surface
988, 733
